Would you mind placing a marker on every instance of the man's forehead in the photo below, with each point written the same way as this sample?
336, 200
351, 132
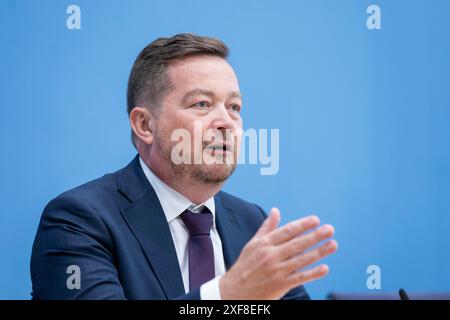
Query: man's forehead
203, 75
202, 66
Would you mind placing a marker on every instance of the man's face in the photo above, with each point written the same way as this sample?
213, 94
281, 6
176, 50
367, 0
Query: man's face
205, 98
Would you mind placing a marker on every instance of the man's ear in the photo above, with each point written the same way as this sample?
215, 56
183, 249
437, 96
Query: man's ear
141, 121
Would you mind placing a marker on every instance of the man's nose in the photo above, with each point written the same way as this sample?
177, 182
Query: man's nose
222, 119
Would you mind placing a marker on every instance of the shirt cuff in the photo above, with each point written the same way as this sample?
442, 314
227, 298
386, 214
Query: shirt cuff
211, 290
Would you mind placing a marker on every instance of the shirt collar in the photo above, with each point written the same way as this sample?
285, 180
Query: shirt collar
172, 202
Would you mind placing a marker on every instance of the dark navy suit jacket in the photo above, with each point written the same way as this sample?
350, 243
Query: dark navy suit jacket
115, 231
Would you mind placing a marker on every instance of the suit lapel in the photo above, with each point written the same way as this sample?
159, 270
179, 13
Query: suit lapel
229, 232
146, 219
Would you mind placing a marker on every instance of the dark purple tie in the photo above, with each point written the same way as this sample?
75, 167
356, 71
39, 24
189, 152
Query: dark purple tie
201, 253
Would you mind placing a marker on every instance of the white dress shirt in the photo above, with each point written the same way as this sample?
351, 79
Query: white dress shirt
174, 204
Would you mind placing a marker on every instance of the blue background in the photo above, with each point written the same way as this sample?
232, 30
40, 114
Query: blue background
363, 118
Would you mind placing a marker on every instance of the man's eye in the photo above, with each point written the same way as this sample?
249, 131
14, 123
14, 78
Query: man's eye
201, 104
236, 107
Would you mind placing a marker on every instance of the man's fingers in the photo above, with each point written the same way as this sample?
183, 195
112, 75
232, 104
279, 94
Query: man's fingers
303, 260
270, 223
302, 243
293, 229
302, 277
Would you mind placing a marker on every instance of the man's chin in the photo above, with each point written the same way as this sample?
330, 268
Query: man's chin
213, 174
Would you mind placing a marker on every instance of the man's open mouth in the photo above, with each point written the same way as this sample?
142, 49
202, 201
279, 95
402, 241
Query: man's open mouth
223, 147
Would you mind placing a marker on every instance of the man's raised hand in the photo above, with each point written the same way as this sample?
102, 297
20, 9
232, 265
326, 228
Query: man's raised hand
274, 260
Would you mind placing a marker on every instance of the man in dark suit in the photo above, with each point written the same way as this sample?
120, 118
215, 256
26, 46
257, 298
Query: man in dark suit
160, 228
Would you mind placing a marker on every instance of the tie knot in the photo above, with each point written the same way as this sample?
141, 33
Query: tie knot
197, 223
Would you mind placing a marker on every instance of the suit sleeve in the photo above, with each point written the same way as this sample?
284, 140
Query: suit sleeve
298, 293
72, 243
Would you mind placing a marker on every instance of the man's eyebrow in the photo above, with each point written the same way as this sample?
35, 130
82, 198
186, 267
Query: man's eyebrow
209, 93
236, 94
195, 92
